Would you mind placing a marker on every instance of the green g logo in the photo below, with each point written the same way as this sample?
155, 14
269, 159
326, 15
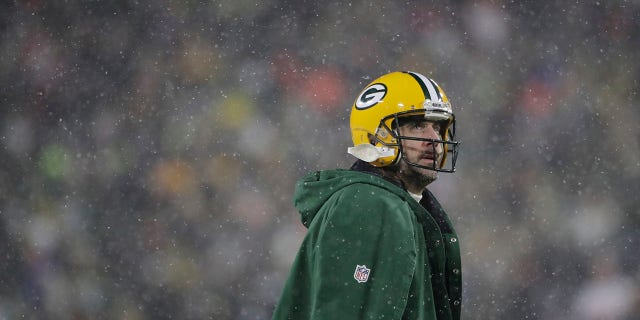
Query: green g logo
371, 96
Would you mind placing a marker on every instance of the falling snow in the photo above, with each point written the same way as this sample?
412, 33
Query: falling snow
150, 148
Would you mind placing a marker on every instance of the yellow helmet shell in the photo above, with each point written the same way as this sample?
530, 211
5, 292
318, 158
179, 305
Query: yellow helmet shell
394, 94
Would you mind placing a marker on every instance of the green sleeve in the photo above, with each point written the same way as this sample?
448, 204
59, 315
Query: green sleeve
362, 225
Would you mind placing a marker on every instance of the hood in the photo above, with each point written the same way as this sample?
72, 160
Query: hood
314, 189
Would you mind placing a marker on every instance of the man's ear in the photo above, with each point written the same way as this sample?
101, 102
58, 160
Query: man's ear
372, 139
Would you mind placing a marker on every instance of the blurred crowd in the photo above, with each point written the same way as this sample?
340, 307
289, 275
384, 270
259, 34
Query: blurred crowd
149, 149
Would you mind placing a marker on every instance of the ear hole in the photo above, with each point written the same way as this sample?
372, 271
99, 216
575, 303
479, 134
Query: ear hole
372, 139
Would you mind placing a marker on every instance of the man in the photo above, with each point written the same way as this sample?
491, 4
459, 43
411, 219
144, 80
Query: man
379, 245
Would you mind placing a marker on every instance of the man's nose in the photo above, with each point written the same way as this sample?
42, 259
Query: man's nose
431, 133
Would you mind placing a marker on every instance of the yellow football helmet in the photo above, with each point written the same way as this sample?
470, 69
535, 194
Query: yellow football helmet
375, 114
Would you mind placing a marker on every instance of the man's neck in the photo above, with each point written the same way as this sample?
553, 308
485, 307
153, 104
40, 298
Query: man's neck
411, 186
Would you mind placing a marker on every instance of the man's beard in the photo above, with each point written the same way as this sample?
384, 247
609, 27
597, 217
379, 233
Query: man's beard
419, 176
414, 175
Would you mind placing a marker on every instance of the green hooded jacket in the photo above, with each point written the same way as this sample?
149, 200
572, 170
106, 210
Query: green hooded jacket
371, 252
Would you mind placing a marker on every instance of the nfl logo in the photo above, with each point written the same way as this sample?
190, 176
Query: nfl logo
361, 274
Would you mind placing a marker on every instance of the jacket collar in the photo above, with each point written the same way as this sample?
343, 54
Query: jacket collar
366, 167
429, 201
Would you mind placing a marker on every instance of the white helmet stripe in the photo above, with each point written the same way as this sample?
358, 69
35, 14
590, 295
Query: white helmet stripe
428, 84
435, 87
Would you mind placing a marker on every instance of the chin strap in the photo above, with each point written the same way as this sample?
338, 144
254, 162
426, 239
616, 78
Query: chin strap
369, 153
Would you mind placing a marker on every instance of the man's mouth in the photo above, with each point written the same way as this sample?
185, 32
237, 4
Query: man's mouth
429, 156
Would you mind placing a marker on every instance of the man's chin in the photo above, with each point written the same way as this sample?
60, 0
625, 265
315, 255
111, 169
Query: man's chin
428, 175
422, 175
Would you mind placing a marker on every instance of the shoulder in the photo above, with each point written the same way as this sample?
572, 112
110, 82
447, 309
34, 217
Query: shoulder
370, 203
371, 193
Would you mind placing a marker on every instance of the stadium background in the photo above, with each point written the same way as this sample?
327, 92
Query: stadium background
149, 149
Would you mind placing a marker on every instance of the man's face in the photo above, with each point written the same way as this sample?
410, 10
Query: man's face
424, 153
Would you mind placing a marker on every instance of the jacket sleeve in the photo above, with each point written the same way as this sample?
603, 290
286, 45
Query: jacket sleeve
363, 256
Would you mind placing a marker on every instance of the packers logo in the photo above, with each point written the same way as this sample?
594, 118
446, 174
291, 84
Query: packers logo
371, 96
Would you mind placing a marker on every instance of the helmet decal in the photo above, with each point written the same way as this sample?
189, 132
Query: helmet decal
371, 96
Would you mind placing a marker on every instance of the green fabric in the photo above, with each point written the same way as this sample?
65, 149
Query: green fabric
358, 219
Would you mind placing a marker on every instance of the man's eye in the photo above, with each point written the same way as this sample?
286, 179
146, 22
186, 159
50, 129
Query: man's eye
424, 125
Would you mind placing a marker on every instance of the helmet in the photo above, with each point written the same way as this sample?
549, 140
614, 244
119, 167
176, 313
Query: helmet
378, 108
